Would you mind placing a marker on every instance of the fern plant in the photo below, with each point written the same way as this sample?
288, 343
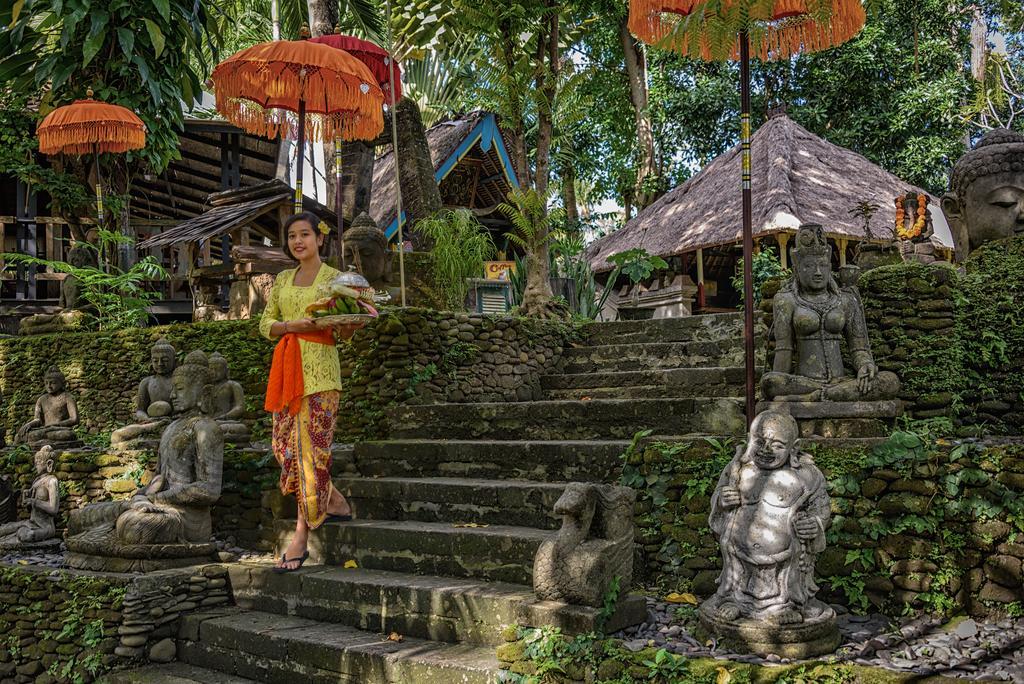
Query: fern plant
116, 298
532, 222
461, 246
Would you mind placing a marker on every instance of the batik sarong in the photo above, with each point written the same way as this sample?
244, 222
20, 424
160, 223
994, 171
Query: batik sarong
302, 446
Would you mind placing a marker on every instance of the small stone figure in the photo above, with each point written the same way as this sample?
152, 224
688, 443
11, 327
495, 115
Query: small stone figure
43, 501
72, 315
227, 402
593, 547
813, 315
985, 201
365, 246
167, 523
56, 413
79, 256
769, 513
152, 401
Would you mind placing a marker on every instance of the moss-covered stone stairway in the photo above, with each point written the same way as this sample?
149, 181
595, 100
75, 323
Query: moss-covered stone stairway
450, 513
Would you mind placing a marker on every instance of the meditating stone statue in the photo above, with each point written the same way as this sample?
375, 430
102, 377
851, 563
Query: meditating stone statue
594, 545
985, 201
769, 514
38, 532
366, 247
813, 315
227, 402
152, 402
167, 523
56, 413
71, 316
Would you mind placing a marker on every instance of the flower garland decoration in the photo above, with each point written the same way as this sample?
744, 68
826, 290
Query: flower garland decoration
921, 217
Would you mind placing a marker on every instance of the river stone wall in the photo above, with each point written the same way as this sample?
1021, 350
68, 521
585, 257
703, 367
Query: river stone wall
406, 355
70, 626
916, 523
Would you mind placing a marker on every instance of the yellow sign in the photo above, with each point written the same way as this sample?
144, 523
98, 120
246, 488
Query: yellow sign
499, 270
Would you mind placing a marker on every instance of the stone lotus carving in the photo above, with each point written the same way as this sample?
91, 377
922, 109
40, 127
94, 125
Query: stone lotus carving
593, 546
167, 523
769, 513
54, 417
985, 201
814, 314
43, 501
152, 401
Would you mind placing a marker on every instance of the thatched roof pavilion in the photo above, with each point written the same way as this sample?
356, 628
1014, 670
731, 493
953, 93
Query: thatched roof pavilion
797, 178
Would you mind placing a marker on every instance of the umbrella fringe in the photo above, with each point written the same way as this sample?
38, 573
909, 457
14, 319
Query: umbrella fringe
87, 137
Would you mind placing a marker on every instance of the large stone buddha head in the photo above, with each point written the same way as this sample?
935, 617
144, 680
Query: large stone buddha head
191, 382
366, 247
162, 357
985, 201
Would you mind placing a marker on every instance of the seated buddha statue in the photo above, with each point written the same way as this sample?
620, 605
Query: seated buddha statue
365, 246
72, 306
152, 401
169, 519
985, 201
54, 417
813, 317
43, 500
227, 402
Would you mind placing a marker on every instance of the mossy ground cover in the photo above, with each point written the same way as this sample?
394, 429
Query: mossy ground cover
545, 656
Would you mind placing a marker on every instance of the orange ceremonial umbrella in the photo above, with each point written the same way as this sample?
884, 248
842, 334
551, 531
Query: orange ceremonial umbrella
332, 93
87, 126
728, 29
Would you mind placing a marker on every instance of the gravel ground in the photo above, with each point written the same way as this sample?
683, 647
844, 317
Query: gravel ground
966, 649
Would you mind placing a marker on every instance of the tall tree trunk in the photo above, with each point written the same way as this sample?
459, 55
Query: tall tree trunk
636, 71
538, 295
420, 194
572, 212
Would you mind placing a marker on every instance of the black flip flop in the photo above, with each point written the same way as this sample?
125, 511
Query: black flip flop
337, 517
280, 569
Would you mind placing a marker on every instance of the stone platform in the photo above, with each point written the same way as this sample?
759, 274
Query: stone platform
807, 639
47, 546
840, 419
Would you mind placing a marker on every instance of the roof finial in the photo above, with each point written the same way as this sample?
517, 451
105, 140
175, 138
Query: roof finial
777, 110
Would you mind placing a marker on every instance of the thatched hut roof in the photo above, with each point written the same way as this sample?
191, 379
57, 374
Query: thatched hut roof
797, 178
473, 148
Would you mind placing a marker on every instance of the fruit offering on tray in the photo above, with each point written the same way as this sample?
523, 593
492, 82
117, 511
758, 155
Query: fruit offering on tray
349, 293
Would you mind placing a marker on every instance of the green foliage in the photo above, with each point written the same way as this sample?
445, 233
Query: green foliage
764, 266
147, 55
636, 264
461, 245
569, 261
609, 603
116, 298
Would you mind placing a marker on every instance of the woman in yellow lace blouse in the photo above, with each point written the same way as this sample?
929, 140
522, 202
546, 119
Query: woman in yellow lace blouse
304, 386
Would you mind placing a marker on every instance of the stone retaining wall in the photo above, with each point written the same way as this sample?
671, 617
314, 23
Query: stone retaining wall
406, 355
917, 524
69, 626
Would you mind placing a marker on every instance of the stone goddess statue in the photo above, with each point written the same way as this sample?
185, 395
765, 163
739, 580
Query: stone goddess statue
769, 513
813, 316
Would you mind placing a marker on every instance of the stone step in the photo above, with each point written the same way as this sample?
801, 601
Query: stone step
545, 461
686, 329
500, 553
283, 649
727, 381
650, 356
437, 608
172, 673
566, 419
453, 500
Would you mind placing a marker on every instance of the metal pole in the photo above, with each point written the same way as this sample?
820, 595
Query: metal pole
748, 236
339, 200
302, 153
394, 151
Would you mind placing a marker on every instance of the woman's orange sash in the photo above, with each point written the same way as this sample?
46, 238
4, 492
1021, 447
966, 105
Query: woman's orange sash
286, 387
